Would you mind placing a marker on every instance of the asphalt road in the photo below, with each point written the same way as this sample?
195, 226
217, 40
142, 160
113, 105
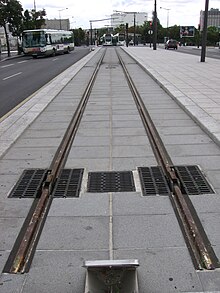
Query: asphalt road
21, 77
210, 51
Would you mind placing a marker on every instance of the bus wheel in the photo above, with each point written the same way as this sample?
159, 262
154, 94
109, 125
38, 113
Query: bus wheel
54, 53
67, 51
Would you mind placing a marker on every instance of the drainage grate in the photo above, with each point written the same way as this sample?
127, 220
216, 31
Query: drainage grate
192, 180
111, 181
153, 182
69, 183
29, 184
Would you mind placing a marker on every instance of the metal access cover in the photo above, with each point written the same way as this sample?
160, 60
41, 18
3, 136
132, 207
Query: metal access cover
69, 183
111, 276
29, 184
110, 181
153, 182
192, 180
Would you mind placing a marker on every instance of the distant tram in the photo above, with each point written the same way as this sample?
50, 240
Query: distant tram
47, 42
107, 39
120, 39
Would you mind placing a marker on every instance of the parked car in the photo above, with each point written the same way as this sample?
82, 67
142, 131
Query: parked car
171, 44
131, 43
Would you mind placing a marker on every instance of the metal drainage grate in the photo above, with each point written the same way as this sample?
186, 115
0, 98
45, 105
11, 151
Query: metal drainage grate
29, 184
69, 183
111, 181
153, 182
192, 180
111, 66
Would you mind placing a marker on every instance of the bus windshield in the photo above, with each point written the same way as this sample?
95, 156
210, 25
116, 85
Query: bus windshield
34, 39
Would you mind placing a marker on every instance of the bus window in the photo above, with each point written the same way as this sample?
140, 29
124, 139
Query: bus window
48, 39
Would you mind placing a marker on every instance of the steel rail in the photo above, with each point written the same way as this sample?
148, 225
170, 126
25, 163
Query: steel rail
200, 249
28, 243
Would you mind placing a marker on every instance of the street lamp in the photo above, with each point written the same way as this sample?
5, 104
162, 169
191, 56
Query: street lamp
204, 33
60, 16
155, 26
167, 9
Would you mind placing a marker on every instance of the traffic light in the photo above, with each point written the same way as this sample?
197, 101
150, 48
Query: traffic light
150, 24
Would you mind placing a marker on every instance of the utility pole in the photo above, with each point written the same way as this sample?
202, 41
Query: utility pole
204, 33
155, 26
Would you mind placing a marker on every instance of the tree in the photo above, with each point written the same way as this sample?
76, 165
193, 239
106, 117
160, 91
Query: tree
34, 19
79, 36
212, 35
11, 17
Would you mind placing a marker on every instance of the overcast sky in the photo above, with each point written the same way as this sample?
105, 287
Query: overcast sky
79, 12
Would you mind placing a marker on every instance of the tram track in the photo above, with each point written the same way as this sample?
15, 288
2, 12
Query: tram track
200, 249
202, 254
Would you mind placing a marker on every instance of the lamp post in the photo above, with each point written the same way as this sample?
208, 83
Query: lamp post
60, 16
167, 9
204, 33
155, 26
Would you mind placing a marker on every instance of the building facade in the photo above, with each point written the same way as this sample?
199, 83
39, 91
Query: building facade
212, 20
58, 24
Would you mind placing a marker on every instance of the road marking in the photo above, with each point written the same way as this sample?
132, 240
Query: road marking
6, 65
55, 59
12, 75
22, 61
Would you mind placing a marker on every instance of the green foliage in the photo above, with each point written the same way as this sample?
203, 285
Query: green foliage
11, 15
79, 36
212, 35
34, 19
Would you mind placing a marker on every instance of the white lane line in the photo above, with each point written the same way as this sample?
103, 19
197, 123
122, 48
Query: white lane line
12, 75
55, 59
22, 61
7, 65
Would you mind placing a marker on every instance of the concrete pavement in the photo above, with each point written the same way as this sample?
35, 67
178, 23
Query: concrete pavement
193, 84
158, 266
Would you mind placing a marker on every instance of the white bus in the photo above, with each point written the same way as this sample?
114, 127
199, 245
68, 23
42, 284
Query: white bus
47, 42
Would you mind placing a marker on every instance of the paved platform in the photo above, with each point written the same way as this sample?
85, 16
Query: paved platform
159, 269
193, 84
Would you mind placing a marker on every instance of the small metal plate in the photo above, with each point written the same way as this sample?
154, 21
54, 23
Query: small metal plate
29, 184
69, 183
110, 181
111, 276
153, 182
192, 180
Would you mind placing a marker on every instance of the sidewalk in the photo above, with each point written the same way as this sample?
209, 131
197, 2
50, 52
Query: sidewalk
4, 55
193, 84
